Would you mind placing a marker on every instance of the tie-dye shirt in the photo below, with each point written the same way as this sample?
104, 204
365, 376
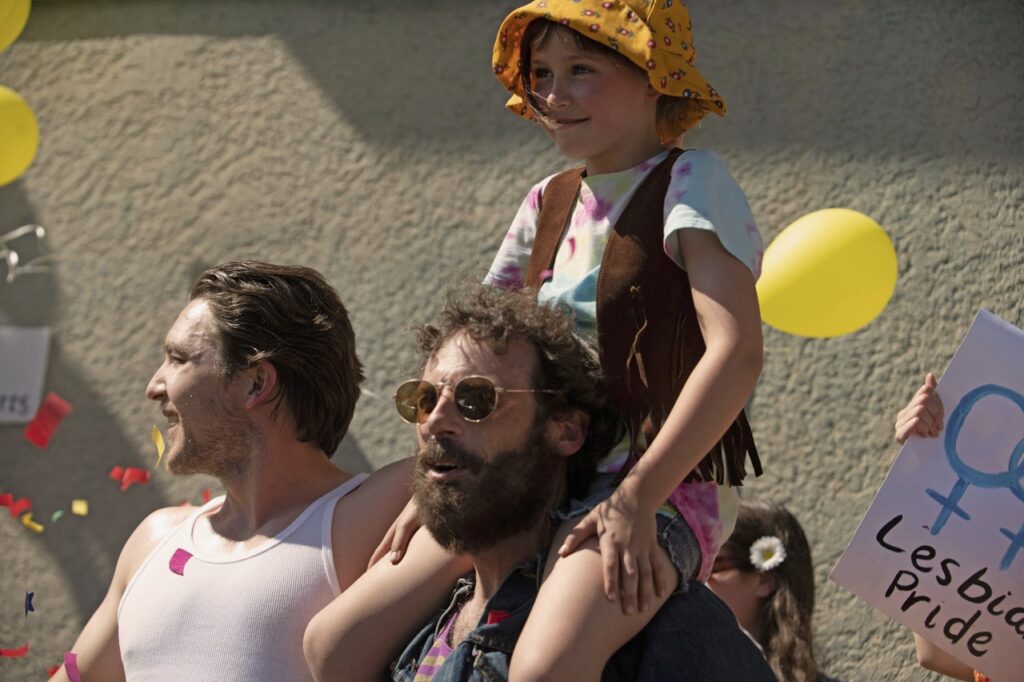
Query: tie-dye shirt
702, 195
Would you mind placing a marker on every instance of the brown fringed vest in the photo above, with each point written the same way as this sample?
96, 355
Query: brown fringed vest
647, 328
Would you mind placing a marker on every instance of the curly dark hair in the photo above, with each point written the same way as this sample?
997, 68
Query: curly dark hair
291, 317
787, 615
566, 363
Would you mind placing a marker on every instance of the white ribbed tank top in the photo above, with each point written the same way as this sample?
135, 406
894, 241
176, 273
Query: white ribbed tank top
240, 618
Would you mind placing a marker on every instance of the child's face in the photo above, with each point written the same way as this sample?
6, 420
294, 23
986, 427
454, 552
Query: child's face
599, 111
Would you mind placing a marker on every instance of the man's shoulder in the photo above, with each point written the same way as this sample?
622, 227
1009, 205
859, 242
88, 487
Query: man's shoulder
384, 489
153, 530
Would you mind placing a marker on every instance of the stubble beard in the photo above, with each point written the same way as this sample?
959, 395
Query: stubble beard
496, 500
224, 455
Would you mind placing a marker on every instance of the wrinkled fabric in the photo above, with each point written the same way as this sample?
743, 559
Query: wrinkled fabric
694, 636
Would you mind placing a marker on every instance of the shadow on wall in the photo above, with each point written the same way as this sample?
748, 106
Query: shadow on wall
388, 67
78, 458
868, 76
88, 443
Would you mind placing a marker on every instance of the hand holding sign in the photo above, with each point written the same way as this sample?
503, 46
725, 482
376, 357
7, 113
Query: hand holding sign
937, 550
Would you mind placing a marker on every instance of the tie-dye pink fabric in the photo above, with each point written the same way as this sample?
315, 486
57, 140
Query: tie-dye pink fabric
701, 195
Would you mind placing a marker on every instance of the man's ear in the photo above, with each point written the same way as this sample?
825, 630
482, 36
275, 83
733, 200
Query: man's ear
566, 435
262, 384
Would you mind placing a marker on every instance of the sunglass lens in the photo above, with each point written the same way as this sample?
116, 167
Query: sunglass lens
475, 398
415, 400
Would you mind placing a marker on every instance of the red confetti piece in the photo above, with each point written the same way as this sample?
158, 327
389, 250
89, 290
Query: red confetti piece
52, 670
71, 666
134, 475
17, 507
6, 499
48, 417
178, 561
14, 653
128, 475
206, 495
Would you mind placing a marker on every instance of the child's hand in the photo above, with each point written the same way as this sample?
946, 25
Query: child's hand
627, 536
396, 540
923, 414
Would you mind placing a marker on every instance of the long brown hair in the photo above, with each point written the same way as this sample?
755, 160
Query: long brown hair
788, 640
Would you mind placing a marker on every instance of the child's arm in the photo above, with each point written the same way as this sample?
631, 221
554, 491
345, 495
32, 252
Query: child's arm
715, 392
364, 628
923, 414
933, 658
923, 417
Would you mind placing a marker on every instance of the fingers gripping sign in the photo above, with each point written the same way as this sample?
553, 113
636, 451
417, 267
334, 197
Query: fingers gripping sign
923, 414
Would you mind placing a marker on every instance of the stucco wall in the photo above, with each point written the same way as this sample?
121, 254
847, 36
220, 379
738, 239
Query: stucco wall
369, 140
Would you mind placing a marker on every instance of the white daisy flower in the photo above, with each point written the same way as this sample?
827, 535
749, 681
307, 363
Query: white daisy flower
767, 553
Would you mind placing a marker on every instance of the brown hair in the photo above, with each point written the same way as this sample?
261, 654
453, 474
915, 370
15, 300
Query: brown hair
672, 113
787, 614
291, 317
566, 363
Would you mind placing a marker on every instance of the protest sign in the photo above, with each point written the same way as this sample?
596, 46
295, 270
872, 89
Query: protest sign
23, 355
941, 549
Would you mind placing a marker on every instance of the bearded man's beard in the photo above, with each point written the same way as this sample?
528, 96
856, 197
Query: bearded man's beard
494, 500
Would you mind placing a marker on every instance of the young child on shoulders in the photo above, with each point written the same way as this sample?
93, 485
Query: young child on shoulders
657, 252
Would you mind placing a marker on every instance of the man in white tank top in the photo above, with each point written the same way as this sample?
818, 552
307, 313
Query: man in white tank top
258, 385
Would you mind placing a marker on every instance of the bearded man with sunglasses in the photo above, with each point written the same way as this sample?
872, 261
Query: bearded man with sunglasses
511, 416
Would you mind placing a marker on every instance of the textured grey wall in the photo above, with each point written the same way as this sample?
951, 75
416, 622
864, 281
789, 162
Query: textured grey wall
368, 140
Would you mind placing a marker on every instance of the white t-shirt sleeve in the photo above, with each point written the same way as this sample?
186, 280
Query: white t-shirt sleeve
508, 271
703, 195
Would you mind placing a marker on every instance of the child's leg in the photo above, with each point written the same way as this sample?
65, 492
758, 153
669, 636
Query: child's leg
574, 628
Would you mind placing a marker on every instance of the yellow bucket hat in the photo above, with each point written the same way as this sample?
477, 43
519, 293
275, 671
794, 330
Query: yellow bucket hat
656, 35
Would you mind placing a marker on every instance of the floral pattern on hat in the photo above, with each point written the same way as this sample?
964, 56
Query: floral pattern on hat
656, 35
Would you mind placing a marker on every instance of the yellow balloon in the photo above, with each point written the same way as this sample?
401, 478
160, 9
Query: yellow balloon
19, 135
13, 17
829, 273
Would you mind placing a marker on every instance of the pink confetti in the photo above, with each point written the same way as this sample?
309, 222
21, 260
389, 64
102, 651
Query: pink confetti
48, 417
572, 246
71, 666
14, 653
545, 275
178, 561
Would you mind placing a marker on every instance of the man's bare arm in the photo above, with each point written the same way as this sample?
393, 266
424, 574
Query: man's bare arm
97, 650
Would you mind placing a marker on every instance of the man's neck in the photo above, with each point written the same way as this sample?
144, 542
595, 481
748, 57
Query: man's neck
492, 566
283, 477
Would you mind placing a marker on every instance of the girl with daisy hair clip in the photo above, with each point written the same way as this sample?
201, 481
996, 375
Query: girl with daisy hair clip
765, 575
